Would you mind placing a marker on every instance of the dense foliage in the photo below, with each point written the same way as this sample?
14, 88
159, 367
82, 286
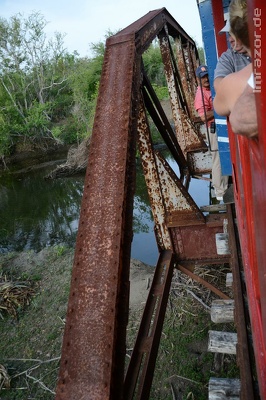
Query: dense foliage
47, 93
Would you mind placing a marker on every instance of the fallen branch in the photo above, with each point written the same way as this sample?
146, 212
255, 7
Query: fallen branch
76, 163
38, 381
40, 362
198, 299
183, 378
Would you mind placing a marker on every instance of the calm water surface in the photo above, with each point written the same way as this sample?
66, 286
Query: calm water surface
35, 213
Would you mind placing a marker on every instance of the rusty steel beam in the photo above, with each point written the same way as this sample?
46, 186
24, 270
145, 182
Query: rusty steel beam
93, 352
142, 363
188, 138
163, 125
202, 281
177, 201
244, 349
179, 69
199, 162
197, 243
148, 27
184, 78
167, 194
191, 64
152, 180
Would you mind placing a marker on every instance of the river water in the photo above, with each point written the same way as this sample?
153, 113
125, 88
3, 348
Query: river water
35, 213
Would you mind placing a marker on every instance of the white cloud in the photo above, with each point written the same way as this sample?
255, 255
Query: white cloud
86, 22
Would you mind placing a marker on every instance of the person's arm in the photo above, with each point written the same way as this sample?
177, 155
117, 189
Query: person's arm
208, 116
202, 106
224, 67
243, 117
216, 82
221, 99
230, 89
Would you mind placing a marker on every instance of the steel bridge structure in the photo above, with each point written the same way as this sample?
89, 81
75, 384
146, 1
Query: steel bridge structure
94, 345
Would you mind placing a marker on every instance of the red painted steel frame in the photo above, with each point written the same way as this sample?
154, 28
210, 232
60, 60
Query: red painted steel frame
257, 188
218, 18
249, 175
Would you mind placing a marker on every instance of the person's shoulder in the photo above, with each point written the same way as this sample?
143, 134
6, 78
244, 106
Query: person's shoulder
245, 57
228, 54
244, 73
225, 64
241, 59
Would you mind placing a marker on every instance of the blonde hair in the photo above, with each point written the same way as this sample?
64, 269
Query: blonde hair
238, 15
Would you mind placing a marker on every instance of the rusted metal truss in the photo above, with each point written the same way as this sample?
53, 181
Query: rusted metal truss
144, 353
93, 352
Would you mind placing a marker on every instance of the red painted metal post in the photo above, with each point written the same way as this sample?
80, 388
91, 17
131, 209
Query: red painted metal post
218, 18
257, 31
249, 169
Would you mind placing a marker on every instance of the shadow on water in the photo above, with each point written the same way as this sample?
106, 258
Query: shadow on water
36, 213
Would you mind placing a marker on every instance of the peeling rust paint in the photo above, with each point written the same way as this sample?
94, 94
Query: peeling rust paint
188, 137
152, 180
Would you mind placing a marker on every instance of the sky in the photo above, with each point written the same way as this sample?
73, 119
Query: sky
87, 21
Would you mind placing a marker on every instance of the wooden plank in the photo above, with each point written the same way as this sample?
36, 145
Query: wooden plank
229, 279
222, 243
222, 311
213, 208
224, 389
222, 342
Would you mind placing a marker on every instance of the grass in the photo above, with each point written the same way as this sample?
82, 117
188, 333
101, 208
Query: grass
30, 344
184, 365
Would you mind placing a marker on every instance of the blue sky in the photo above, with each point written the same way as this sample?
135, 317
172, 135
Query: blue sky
87, 21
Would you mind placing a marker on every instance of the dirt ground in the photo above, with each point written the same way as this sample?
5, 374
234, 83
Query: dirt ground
141, 276
25, 263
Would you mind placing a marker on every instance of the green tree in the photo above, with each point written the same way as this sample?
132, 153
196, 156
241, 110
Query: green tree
201, 55
33, 74
153, 64
84, 82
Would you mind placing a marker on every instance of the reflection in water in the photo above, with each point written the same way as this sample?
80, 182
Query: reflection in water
199, 189
35, 213
38, 213
144, 245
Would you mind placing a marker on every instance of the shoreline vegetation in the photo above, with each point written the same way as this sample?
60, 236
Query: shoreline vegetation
31, 339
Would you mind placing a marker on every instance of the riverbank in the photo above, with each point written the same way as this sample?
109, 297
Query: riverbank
28, 154
31, 337
32, 266
30, 344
